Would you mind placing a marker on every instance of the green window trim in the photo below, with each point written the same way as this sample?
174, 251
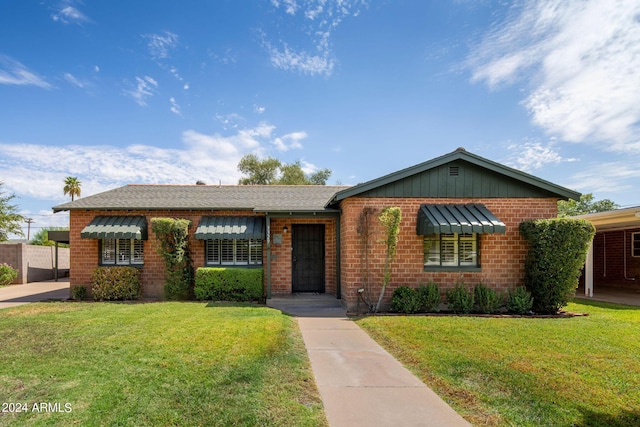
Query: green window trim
452, 252
233, 252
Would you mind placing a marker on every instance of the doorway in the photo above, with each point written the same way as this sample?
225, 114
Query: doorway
307, 258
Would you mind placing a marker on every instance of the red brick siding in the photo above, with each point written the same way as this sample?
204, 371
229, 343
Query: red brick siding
85, 256
501, 255
609, 261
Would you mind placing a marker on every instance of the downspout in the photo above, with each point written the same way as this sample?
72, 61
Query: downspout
338, 284
624, 257
268, 221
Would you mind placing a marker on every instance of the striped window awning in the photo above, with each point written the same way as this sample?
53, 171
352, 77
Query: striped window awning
116, 227
231, 227
457, 218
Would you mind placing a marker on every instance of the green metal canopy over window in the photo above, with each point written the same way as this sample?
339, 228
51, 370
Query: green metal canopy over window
446, 219
231, 227
116, 227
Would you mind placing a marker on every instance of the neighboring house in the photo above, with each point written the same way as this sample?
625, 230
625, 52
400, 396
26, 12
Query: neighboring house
614, 256
460, 218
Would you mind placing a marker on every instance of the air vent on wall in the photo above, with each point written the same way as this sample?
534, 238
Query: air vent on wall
454, 171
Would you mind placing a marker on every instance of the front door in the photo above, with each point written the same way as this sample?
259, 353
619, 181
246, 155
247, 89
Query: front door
308, 258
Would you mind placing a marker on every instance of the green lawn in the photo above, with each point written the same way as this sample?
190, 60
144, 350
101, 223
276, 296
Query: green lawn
581, 371
157, 364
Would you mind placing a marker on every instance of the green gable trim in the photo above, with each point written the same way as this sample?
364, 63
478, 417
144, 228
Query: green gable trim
116, 227
457, 218
459, 174
231, 227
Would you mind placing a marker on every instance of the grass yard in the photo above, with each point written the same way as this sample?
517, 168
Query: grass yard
157, 364
581, 371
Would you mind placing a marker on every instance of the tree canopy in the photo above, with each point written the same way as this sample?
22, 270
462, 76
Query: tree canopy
72, 187
585, 205
10, 219
41, 238
271, 171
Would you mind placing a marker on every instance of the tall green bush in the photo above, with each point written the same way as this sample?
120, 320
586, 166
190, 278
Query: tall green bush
229, 284
519, 301
557, 251
116, 284
487, 300
7, 274
405, 300
459, 299
173, 246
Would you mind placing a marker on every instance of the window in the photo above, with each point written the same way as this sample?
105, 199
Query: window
233, 252
635, 244
451, 251
122, 252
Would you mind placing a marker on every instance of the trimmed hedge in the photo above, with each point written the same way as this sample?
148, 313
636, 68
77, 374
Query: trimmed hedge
557, 251
229, 284
116, 284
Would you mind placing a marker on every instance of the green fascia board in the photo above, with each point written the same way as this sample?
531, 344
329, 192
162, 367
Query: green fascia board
116, 227
231, 227
457, 218
459, 154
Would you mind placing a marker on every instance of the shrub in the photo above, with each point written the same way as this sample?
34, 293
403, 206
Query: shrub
78, 292
429, 297
229, 284
557, 251
116, 284
173, 246
519, 301
405, 300
459, 299
7, 274
487, 300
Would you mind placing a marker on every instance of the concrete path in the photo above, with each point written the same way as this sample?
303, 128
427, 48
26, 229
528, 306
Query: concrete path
13, 295
360, 383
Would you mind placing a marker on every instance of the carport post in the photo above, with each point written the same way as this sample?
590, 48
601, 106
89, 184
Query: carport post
588, 272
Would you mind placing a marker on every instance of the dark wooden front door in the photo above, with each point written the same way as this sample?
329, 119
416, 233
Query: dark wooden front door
308, 258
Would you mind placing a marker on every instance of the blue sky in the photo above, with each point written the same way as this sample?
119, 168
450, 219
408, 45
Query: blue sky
123, 92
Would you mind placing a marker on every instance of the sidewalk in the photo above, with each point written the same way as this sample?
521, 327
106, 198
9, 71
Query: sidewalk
13, 295
360, 383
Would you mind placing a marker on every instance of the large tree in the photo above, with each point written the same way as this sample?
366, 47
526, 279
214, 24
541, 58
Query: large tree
10, 219
72, 187
585, 205
270, 171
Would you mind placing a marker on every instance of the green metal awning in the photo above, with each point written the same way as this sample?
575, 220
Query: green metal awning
116, 227
231, 227
454, 218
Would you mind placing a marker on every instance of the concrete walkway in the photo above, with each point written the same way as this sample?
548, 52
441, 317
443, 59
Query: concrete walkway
360, 383
14, 295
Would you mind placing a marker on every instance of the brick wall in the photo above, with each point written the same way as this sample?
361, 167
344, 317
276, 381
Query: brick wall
501, 255
34, 263
609, 261
85, 254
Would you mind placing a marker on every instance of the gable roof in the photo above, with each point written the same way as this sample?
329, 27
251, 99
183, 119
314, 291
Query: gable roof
259, 198
524, 185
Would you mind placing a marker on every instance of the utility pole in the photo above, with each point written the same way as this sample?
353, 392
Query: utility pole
29, 221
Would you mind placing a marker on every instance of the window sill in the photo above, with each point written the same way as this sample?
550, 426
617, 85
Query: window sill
468, 269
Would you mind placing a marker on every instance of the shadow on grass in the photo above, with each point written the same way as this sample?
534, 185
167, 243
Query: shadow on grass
622, 419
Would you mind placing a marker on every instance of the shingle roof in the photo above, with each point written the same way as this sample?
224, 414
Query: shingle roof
265, 198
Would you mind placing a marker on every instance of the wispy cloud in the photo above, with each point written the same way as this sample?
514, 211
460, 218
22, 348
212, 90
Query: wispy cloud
144, 89
74, 80
160, 45
289, 141
610, 177
230, 121
175, 108
319, 19
532, 155
581, 59
68, 13
13, 72
35, 170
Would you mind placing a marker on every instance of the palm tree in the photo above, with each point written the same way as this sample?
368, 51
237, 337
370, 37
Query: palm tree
72, 187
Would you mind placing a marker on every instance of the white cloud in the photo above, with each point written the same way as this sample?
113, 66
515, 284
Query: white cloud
175, 108
144, 89
618, 177
13, 72
67, 13
229, 121
581, 59
74, 80
160, 44
289, 141
320, 18
532, 155
259, 109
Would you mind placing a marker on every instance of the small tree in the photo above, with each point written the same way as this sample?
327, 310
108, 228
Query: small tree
10, 219
72, 187
270, 171
173, 246
557, 251
365, 232
390, 218
585, 205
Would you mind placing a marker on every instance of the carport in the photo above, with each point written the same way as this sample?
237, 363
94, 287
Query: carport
58, 237
613, 260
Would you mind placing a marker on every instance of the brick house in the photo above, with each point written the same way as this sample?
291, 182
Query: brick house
460, 218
